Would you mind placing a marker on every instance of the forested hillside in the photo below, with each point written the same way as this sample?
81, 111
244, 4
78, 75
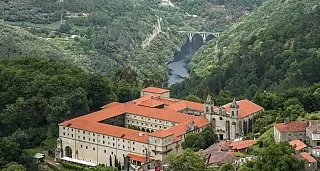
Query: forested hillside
109, 34
275, 48
36, 94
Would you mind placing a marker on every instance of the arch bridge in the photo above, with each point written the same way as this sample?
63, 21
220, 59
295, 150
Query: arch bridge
203, 34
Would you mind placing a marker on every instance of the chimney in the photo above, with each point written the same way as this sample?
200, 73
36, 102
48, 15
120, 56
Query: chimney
286, 120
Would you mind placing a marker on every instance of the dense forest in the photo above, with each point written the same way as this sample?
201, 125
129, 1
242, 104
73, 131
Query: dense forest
36, 94
274, 48
107, 35
94, 56
272, 57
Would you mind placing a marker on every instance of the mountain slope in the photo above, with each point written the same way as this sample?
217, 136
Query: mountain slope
275, 47
111, 32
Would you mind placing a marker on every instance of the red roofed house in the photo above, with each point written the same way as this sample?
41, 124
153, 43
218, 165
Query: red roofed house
154, 90
313, 133
105, 136
299, 146
290, 130
241, 146
311, 163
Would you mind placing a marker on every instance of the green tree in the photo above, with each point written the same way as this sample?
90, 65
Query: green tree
209, 137
14, 167
194, 98
9, 150
226, 167
193, 141
291, 101
277, 157
294, 111
101, 168
187, 160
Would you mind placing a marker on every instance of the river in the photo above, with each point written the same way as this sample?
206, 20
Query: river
178, 67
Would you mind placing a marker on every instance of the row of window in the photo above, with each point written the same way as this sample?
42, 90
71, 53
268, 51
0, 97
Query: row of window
94, 140
105, 151
146, 124
149, 119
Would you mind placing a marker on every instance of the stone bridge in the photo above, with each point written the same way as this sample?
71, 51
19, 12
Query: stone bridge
203, 34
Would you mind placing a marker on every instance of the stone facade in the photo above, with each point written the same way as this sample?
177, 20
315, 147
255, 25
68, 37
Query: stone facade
288, 136
162, 124
313, 135
228, 124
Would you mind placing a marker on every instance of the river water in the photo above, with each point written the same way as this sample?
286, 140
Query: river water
178, 67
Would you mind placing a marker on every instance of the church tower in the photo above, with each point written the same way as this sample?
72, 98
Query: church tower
234, 109
208, 109
208, 105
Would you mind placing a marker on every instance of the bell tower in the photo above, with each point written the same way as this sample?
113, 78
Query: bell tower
208, 109
234, 109
208, 105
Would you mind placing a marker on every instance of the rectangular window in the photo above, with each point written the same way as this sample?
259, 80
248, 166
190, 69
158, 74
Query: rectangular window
102, 142
93, 148
64, 133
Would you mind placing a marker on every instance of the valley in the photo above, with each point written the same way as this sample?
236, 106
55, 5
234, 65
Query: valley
173, 83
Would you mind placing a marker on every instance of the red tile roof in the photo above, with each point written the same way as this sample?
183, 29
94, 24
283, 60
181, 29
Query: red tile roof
138, 158
168, 101
307, 157
297, 126
155, 90
297, 144
246, 108
184, 104
238, 145
110, 104
151, 103
91, 122
144, 98
221, 157
181, 128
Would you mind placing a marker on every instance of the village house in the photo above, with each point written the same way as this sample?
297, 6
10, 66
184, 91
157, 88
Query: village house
148, 128
225, 152
313, 135
299, 146
310, 162
301, 135
290, 131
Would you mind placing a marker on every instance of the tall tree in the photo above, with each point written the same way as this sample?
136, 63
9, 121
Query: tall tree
187, 160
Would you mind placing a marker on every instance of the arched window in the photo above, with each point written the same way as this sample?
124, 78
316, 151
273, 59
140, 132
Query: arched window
214, 123
68, 151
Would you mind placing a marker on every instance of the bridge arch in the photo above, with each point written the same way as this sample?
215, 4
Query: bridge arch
206, 36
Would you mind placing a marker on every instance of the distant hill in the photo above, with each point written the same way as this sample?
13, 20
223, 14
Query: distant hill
275, 47
111, 32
